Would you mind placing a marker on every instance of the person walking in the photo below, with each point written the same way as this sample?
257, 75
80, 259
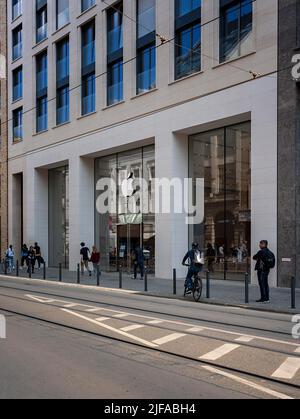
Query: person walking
95, 259
38, 255
85, 258
265, 261
10, 254
138, 263
24, 255
31, 260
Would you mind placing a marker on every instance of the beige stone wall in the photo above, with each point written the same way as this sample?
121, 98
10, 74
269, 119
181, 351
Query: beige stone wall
3, 136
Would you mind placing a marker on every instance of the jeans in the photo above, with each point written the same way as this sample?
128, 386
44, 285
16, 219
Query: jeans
139, 265
263, 280
194, 270
10, 261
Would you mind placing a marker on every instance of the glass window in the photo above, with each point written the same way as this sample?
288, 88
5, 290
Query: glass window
41, 72
223, 159
236, 25
18, 125
17, 43
88, 44
41, 23
146, 69
62, 13
17, 84
16, 9
188, 38
115, 28
115, 83
86, 4
42, 114
62, 81
88, 94
146, 17
42, 92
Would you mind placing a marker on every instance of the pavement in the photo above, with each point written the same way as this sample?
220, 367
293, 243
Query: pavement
228, 292
69, 341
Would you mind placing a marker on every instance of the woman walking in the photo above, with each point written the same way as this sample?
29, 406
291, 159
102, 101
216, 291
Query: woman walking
95, 259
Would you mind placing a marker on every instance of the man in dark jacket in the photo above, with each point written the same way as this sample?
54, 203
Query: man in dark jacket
139, 262
194, 267
263, 271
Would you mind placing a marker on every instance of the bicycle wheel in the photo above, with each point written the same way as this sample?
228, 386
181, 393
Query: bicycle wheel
198, 287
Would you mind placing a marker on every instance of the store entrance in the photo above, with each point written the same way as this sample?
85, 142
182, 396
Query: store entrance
129, 238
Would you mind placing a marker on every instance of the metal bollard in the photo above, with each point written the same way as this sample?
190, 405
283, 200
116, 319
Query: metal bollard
5, 267
174, 282
17, 268
208, 285
120, 277
146, 278
98, 276
30, 269
60, 272
44, 271
246, 288
78, 273
293, 293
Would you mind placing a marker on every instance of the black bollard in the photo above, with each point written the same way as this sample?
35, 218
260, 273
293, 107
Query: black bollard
30, 269
17, 268
246, 288
98, 276
174, 282
208, 285
60, 272
146, 278
78, 273
293, 293
5, 266
44, 270
120, 277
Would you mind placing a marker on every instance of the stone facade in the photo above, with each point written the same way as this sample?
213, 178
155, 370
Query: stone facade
3, 132
288, 145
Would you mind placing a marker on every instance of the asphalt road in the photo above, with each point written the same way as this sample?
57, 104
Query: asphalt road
74, 342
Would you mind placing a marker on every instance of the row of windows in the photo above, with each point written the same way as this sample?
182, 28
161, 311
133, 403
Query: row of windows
235, 27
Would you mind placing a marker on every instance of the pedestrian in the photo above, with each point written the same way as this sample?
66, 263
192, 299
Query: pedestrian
38, 255
10, 254
95, 259
211, 257
24, 255
31, 260
85, 258
138, 262
265, 261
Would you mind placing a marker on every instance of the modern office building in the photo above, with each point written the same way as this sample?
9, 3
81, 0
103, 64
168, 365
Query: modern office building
3, 131
150, 89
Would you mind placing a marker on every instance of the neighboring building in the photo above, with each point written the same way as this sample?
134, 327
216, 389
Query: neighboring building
288, 143
189, 107
3, 131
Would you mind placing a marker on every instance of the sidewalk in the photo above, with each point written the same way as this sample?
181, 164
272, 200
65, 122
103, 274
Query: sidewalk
231, 293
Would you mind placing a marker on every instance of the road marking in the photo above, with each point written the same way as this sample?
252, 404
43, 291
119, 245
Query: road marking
195, 330
102, 319
169, 338
219, 352
155, 322
244, 339
94, 310
70, 305
112, 329
42, 299
121, 315
297, 350
288, 369
133, 327
248, 383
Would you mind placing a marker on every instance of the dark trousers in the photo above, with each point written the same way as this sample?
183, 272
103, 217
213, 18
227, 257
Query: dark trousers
38, 259
139, 265
193, 270
263, 280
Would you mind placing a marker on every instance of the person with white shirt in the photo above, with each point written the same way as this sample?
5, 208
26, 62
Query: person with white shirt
10, 254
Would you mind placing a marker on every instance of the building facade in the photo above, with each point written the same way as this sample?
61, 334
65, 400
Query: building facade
143, 89
3, 131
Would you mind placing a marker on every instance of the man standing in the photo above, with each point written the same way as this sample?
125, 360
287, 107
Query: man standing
139, 262
85, 258
38, 255
265, 261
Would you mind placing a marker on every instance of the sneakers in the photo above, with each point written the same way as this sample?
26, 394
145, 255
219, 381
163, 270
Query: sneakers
264, 301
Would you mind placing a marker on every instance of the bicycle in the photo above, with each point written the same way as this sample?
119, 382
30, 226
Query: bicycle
6, 267
197, 286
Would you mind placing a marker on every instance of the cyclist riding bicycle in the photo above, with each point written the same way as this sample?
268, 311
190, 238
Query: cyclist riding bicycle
195, 266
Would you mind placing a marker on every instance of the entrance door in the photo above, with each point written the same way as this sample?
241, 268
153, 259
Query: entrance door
129, 237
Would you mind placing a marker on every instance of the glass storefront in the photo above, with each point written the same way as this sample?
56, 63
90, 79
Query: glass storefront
59, 217
120, 231
222, 158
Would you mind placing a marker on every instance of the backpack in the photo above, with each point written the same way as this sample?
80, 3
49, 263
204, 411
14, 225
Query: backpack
270, 260
198, 258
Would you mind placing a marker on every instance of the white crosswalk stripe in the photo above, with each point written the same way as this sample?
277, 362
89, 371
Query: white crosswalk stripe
102, 319
219, 352
132, 328
195, 330
288, 369
244, 339
121, 315
169, 338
